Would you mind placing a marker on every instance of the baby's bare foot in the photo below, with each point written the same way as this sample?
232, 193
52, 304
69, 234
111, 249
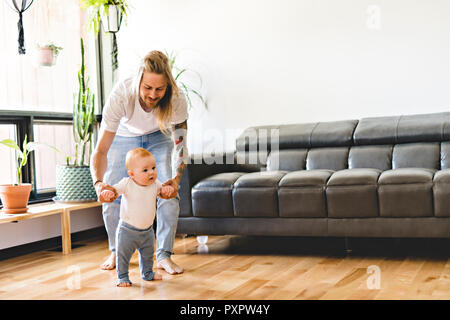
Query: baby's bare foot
170, 266
157, 276
110, 263
124, 284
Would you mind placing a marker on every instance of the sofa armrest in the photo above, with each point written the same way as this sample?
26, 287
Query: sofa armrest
202, 166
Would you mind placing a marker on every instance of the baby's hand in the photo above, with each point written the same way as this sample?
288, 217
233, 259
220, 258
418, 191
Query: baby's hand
108, 195
166, 191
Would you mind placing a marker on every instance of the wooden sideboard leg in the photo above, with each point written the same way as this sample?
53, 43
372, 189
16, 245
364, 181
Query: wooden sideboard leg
65, 232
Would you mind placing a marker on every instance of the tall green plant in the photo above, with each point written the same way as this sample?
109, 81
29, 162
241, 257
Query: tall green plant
187, 89
22, 155
83, 114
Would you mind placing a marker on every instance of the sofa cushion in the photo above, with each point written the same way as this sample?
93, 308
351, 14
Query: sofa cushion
212, 197
350, 177
290, 160
377, 157
445, 155
305, 135
442, 176
220, 180
402, 129
257, 138
327, 158
302, 194
406, 175
441, 193
255, 194
376, 130
306, 178
352, 193
260, 179
251, 160
406, 192
333, 134
296, 135
416, 155
423, 127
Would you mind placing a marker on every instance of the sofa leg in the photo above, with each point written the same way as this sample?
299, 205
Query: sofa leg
347, 246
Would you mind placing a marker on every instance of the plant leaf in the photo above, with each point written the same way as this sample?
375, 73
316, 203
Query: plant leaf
24, 146
35, 145
186, 91
180, 73
10, 143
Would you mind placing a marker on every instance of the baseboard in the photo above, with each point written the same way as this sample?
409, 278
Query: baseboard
52, 243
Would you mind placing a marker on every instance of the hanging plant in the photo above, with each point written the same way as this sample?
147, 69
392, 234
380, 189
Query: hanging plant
112, 11
110, 14
20, 9
46, 55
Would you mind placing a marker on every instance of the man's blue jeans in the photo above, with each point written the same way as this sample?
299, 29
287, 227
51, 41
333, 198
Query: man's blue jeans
167, 212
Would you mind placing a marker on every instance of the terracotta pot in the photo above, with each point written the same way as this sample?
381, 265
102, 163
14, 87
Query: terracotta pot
15, 198
45, 56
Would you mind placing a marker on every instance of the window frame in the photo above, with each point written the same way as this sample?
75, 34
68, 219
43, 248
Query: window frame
24, 121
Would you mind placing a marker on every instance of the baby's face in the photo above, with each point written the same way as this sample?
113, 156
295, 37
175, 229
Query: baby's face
143, 170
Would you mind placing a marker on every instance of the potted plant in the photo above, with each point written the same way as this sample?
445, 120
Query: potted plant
15, 196
178, 73
46, 55
74, 181
109, 12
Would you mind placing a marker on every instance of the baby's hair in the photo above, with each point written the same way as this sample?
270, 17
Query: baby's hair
136, 153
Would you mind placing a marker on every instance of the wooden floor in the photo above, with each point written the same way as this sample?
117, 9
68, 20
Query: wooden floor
246, 268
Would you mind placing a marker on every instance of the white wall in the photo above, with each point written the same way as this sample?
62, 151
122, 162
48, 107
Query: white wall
288, 61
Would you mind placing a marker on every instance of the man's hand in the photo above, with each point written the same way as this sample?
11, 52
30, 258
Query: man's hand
103, 196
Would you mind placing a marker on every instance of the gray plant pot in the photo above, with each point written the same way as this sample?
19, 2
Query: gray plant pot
74, 183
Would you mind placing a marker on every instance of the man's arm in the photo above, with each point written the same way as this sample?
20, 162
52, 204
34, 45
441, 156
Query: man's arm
179, 135
99, 161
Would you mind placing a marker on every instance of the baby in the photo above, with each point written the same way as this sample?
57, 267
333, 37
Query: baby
137, 213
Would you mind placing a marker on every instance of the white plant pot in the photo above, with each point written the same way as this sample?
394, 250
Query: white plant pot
111, 21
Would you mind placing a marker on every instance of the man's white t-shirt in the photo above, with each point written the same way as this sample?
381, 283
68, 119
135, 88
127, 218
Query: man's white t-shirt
124, 115
138, 204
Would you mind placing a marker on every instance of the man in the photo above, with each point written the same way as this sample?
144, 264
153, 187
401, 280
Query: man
139, 113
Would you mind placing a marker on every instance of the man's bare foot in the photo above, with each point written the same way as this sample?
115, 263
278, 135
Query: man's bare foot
110, 263
124, 284
170, 266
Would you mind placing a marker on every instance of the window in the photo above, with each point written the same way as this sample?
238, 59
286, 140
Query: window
37, 101
7, 159
54, 129
23, 84
56, 134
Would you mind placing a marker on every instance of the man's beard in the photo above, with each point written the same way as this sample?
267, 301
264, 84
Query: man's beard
149, 105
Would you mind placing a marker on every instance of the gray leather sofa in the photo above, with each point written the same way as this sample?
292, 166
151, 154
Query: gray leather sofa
376, 177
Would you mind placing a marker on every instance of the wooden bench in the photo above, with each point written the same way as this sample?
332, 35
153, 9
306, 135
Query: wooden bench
50, 208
